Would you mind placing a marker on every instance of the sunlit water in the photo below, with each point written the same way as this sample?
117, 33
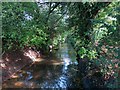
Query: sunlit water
49, 76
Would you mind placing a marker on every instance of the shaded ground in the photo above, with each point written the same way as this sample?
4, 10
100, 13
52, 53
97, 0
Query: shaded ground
12, 61
52, 72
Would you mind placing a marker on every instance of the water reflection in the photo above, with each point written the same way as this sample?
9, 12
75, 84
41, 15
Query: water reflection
48, 75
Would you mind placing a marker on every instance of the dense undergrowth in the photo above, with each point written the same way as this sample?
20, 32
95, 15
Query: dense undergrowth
93, 29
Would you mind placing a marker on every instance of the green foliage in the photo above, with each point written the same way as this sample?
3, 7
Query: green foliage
106, 33
34, 38
105, 25
93, 29
82, 52
21, 27
96, 36
30, 24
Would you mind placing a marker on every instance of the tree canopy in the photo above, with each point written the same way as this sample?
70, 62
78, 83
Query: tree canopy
93, 29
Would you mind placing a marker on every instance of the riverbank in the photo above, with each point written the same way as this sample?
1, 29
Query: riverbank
52, 72
14, 60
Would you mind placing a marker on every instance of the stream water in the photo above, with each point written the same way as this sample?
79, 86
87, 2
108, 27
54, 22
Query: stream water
49, 76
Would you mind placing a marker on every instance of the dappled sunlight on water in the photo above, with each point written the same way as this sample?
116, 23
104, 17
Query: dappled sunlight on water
60, 74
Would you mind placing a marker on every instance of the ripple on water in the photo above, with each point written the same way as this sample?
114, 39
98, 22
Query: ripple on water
50, 76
